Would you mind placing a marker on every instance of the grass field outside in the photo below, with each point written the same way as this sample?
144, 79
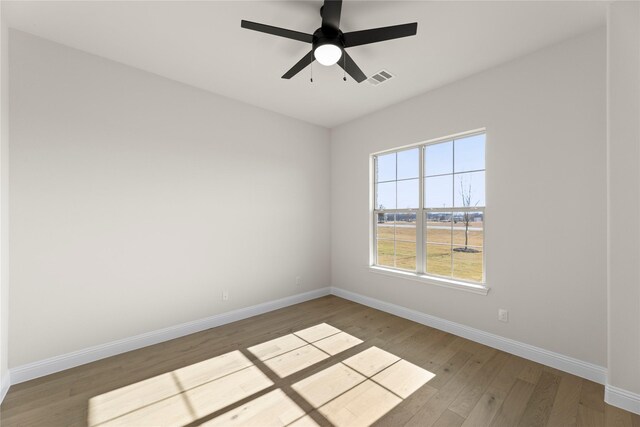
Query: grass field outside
396, 247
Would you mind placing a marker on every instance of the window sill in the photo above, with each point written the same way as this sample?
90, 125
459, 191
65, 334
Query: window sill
462, 286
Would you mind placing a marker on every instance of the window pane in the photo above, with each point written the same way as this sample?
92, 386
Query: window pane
469, 191
438, 227
406, 227
454, 182
438, 159
408, 194
386, 167
385, 253
385, 226
438, 259
469, 153
386, 195
406, 255
467, 263
408, 164
468, 229
438, 191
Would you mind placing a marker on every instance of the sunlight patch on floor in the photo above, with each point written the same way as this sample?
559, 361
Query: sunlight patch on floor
277, 346
363, 388
231, 390
292, 353
317, 332
328, 384
296, 360
403, 378
273, 408
130, 398
371, 361
305, 421
360, 406
139, 395
193, 404
337, 343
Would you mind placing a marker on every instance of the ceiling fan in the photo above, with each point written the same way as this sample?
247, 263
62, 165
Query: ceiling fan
328, 43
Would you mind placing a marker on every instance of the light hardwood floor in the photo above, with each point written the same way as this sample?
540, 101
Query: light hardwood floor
465, 383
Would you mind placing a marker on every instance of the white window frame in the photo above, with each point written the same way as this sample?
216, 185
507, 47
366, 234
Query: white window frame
421, 212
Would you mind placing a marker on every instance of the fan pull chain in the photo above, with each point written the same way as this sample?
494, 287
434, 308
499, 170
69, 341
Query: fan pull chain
344, 66
311, 66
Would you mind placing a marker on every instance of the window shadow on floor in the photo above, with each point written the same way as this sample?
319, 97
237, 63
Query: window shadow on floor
315, 376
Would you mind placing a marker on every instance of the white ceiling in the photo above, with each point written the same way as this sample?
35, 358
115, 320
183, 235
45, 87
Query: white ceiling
201, 43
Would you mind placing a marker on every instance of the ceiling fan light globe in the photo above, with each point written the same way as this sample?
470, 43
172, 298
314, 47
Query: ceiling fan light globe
327, 54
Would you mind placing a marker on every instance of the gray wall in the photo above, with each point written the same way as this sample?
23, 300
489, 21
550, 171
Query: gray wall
4, 203
546, 197
624, 196
136, 200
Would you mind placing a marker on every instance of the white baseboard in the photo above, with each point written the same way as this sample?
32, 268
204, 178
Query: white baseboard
5, 382
613, 395
622, 399
71, 360
555, 360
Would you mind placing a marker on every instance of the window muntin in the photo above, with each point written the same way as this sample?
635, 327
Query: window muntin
396, 240
397, 180
446, 205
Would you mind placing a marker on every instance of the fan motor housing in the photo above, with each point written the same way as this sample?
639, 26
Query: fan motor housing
328, 35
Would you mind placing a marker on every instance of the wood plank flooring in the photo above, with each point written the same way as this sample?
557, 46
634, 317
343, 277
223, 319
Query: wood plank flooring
473, 386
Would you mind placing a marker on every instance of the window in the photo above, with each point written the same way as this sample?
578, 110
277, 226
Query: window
428, 212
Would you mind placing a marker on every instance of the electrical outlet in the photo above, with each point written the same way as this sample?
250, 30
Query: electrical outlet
298, 280
503, 315
225, 295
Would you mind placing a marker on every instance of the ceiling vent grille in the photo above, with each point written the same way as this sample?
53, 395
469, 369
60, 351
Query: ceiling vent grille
380, 77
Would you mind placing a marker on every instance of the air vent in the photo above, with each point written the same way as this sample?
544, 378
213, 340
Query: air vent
380, 77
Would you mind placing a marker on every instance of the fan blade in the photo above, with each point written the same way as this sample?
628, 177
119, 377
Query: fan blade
301, 65
331, 13
351, 68
375, 35
276, 31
